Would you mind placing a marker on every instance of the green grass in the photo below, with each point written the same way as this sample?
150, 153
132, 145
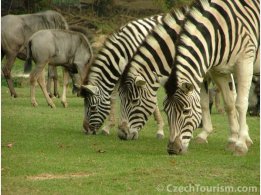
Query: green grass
51, 155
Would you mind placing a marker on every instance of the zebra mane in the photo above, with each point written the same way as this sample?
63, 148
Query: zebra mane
196, 8
175, 16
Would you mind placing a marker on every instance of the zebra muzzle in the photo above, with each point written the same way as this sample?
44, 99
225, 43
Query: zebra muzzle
175, 148
124, 132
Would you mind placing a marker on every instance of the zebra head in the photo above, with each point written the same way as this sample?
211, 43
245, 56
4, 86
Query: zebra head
138, 102
184, 115
96, 108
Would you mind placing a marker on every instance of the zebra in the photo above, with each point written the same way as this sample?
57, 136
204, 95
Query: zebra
151, 65
219, 37
99, 86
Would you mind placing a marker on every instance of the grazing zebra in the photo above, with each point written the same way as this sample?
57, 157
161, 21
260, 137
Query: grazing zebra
219, 37
151, 64
106, 70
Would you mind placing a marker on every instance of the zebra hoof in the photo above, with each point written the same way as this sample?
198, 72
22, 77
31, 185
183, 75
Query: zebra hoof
249, 142
105, 132
159, 136
65, 104
240, 149
231, 144
201, 140
52, 105
34, 104
231, 147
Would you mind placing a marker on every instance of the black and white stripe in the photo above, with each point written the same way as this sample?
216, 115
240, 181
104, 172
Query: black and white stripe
106, 69
223, 37
142, 77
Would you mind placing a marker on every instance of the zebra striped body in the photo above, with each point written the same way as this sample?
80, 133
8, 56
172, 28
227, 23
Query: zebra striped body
107, 68
143, 75
220, 37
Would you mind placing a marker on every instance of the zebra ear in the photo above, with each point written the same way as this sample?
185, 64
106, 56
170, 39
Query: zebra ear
160, 78
91, 89
139, 81
187, 87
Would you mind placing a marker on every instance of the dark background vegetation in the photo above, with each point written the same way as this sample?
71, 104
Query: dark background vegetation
102, 15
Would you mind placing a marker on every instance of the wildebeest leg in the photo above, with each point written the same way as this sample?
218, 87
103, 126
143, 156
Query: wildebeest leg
206, 118
65, 85
158, 118
49, 81
10, 59
38, 75
41, 82
224, 84
55, 82
52, 76
33, 82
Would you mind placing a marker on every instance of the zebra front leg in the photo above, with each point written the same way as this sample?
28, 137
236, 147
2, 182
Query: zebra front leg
225, 84
65, 85
206, 118
110, 123
111, 119
160, 122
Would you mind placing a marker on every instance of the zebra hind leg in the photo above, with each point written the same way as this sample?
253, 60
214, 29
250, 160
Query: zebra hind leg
224, 84
244, 73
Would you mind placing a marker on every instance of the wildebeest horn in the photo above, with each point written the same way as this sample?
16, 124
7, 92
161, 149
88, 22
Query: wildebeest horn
92, 89
139, 81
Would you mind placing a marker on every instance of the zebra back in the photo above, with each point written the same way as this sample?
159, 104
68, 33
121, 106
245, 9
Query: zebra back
118, 49
215, 33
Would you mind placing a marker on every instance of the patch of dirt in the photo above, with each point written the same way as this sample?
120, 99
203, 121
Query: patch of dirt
46, 176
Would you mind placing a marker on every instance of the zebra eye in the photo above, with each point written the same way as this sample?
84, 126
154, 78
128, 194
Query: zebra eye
94, 108
135, 101
186, 111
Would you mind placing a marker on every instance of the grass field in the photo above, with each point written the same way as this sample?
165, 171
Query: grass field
44, 151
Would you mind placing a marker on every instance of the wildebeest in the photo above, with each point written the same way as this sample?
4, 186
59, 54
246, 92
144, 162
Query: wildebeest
17, 29
52, 76
69, 49
52, 70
